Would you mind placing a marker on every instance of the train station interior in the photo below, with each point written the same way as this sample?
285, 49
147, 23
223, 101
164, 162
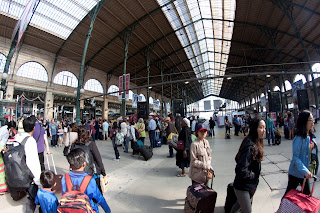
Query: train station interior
79, 60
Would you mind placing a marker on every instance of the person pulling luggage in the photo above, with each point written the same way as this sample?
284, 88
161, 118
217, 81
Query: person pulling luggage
248, 166
200, 157
301, 146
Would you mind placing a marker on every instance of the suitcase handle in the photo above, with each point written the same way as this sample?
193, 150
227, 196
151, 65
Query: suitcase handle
315, 178
54, 167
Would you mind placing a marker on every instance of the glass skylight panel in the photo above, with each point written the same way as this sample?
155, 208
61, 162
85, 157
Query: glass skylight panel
204, 53
58, 17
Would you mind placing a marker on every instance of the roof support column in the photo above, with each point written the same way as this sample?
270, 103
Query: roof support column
287, 7
125, 37
272, 35
93, 14
256, 88
163, 112
250, 101
148, 53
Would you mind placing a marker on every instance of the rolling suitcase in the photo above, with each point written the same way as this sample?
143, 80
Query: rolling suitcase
296, 201
146, 152
200, 198
231, 198
58, 178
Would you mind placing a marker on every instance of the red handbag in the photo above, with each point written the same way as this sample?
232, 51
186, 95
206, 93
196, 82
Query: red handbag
180, 145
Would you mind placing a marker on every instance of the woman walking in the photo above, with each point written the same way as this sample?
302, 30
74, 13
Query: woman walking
183, 156
112, 136
301, 146
200, 156
291, 125
248, 166
140, 126
94, 166
228, 127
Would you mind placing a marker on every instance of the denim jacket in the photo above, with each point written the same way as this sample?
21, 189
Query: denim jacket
299, 165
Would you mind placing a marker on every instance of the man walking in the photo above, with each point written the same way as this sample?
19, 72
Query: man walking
152, 131
105, 129
212, 124
170, 129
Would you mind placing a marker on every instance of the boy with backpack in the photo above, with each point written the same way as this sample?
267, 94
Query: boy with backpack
45, 195
79, 186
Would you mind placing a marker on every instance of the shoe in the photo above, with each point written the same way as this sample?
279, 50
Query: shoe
119, 157
169, 156
116, 159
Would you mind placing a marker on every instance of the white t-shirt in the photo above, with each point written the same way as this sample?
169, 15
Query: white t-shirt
105, 126
31, 151
123, 127
193, 126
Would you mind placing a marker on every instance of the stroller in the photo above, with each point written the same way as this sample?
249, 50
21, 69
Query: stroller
277, 136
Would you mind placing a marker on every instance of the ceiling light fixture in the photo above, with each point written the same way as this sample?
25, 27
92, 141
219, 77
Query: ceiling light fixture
229, 78
268, 76
187, 82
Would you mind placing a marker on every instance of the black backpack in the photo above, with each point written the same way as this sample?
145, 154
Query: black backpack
18, 175
90, 164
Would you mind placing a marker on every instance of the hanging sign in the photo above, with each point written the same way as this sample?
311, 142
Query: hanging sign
295, 86
156, 105
134, 101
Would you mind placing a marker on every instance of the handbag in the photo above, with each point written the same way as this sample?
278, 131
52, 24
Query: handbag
180, 145
104, 184
67, 149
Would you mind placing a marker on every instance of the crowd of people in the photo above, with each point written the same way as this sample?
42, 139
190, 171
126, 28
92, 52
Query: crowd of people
86, 165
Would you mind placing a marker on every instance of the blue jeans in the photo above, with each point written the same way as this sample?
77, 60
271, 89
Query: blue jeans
152, 137
127, 141
271, 133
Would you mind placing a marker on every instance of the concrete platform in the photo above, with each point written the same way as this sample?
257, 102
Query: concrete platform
152, 186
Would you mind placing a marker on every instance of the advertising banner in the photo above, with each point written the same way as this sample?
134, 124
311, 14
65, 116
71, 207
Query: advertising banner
296, 86
135, 101
156, 105
120, 84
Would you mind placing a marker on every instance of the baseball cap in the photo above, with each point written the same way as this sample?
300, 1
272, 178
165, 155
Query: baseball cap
200, 127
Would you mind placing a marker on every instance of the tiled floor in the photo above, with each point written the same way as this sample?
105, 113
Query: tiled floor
152, 186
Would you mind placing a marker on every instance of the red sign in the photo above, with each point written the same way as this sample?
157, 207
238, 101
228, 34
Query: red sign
127, 83
120, 84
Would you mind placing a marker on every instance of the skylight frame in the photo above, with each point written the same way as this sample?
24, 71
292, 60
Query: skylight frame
213, 22
57, 17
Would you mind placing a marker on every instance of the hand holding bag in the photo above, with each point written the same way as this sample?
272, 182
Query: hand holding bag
104, 184
210, 174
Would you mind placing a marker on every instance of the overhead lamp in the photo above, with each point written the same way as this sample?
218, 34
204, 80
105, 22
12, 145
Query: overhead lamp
75, 92
229, 78
82, 91
4, 76
150, 87
268, 76
187, 82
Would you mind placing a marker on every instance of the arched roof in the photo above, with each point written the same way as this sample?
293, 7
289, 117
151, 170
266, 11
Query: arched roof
194, 38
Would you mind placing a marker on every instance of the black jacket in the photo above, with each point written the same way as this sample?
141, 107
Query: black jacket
94, 164
247, 169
